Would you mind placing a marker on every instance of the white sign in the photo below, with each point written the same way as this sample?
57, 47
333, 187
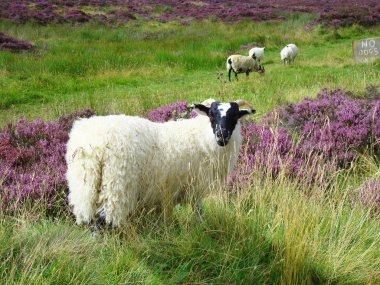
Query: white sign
366, 50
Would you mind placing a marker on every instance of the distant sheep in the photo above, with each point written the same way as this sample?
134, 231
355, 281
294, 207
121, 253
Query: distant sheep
118, 163
289, 53
257, 53
242, 64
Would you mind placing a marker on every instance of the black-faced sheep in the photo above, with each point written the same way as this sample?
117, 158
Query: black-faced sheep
242, 64
118, 162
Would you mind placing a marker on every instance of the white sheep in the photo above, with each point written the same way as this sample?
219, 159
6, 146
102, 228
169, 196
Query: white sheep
294, 48
242, 64
116, 163
289, 53
257, 52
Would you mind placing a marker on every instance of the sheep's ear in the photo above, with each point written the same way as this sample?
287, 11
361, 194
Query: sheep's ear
200, 109
245, 112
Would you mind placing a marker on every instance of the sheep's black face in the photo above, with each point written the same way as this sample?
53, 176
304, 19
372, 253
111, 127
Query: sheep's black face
223, 118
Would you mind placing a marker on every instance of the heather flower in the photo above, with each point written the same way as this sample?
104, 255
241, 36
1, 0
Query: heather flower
264, 149
335, 13
9, 43
32, 161
335, 124
172, 111
119, 15
77, 16
300, 140
336, 22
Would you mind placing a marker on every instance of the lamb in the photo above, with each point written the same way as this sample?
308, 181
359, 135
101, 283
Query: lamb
257, 52
242, 64
289, 53
117, 163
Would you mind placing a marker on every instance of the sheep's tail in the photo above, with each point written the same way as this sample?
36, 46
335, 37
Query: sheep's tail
229, 68
84, 171
229, 63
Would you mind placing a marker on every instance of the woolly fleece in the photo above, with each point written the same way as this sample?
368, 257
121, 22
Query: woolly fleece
117, 162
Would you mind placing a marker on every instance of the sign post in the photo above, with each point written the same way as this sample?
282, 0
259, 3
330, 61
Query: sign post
366, 50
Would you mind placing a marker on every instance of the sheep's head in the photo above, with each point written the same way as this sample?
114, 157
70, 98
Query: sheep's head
224, 117
260, 69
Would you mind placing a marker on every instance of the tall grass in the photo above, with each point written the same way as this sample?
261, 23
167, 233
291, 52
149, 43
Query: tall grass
272, 233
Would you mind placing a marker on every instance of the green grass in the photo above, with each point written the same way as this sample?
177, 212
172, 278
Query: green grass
135, 68
277, 233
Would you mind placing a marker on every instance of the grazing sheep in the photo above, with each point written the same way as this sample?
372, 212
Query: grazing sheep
242, 64
257, 53
294, 48
118, 163
289, 53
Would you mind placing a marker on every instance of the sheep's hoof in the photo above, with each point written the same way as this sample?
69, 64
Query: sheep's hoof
100, 223
98, 226
94, 234
199, 211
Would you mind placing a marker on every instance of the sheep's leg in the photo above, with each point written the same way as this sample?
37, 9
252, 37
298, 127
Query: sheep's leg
200, 210
197, 207
167, 206
119, 191
236, 76
229, 74
84, 180
98, 225
247, 73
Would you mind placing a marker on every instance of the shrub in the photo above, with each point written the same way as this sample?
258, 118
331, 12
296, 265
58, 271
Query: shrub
335, 124
339, 12
9, 43
77, 16
301, 139
170, 112
32, 162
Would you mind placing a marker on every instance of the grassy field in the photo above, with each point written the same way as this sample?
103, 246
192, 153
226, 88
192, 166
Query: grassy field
136, 68
277, 234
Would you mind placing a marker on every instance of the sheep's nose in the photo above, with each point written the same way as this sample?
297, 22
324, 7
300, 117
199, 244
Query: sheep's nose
222, 136
222, 141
